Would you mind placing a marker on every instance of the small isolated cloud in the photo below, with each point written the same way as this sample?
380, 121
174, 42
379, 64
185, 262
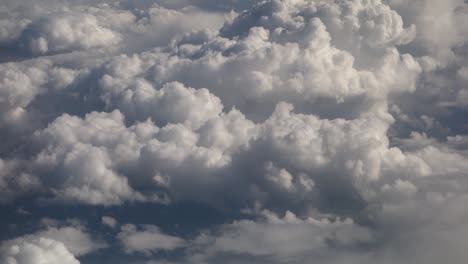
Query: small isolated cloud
109, 221
147, 239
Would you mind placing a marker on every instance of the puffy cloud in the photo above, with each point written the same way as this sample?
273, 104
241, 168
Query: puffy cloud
360, 27
434, 37
13, 181
18, 88
55, 244
75, 238
441, 50
24, 89
282, 240
79, 170
99, 160
34, 30
336, 127
173, 103
11, 29
37, 250
308, 67
66, 33
295, 52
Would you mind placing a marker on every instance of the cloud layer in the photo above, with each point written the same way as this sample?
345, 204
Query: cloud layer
337, 129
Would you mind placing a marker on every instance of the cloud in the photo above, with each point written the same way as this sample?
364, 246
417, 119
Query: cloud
76, 239
434, 38
159, 130
13, 181
31, 30
66, 33
37, 250
290, 239
173, 103
19, 86
55, 244
321, 130
281, 240
109, 221
82, 171
147, 239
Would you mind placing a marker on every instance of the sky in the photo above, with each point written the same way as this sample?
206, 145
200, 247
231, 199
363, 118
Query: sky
236, 131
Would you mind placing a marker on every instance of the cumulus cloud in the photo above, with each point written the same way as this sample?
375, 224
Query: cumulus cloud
333, 130
173, 103
66, 33
80, 170
55, 244
75, 238
37, 250
437, 37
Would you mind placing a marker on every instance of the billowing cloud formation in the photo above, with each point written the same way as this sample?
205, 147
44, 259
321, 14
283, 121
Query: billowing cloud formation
333, 130
71, 32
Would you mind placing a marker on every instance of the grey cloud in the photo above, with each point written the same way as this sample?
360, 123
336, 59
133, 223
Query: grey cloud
434, 37
109, 221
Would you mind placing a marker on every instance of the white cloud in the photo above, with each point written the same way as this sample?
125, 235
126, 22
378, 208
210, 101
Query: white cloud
295, 53
37, 250
147, 239
75, 239
81, 170
18, 88
173, 103
54, 244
